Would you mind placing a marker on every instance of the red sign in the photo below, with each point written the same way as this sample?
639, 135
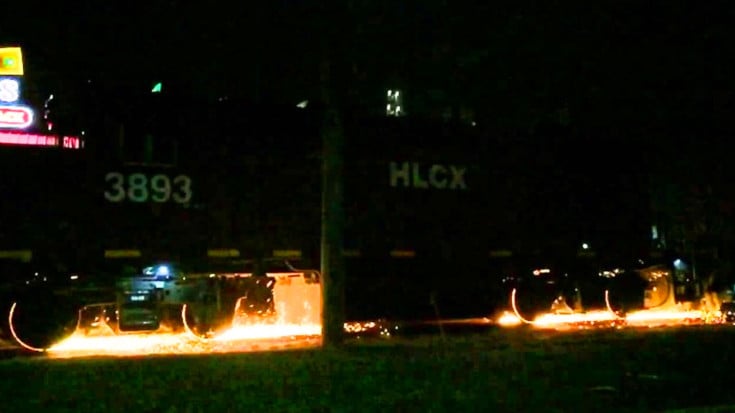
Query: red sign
30, 139
71, 142
16, 117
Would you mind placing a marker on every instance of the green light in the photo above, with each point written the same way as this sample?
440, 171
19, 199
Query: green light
157, 88
8, 62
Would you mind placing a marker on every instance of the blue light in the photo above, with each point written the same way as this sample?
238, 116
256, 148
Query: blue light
678, 264
163, 271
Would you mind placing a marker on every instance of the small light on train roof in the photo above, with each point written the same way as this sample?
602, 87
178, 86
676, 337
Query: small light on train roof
163, 271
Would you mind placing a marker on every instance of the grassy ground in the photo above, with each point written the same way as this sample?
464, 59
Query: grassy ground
514, 371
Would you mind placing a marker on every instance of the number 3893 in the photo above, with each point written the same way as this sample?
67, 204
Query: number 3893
139, 187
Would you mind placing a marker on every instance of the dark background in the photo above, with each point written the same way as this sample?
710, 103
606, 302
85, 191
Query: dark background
582, 123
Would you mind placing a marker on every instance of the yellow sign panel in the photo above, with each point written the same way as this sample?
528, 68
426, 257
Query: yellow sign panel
402, 254
21, 255
501, 253
223, 253
11, 61
287, 253
122, 254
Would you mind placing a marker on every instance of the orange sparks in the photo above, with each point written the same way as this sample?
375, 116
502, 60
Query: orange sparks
508, 319
642, 318
664, 317
553, 320
237, 338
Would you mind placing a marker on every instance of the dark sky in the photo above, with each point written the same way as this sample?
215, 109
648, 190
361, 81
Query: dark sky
614, 62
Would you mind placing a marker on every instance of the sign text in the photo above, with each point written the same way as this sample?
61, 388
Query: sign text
416, 175
139, 188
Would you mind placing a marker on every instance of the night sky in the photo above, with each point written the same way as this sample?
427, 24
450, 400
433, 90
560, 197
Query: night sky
644, 65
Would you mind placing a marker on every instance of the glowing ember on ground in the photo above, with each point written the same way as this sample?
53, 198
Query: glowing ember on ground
133, 344
509, 319
658, 317
238, 339
6, 345
360, 326
267, 331
235, 339
642, 318
546, 320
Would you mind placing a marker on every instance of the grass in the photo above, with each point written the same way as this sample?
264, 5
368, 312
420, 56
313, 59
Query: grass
511, 371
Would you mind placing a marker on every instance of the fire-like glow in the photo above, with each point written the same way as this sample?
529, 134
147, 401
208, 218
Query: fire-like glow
297, 325
547, 320
508, 319
15, 117
268, 331
279, 333
234, 339
6, 345
591, 317
659, 317
641, 318
79, 344
360, 326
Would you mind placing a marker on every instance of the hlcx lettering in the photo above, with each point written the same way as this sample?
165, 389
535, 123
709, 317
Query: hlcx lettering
413, 174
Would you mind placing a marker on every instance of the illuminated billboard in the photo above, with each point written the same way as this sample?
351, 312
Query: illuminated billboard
16, 116
11, 61
13, 115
